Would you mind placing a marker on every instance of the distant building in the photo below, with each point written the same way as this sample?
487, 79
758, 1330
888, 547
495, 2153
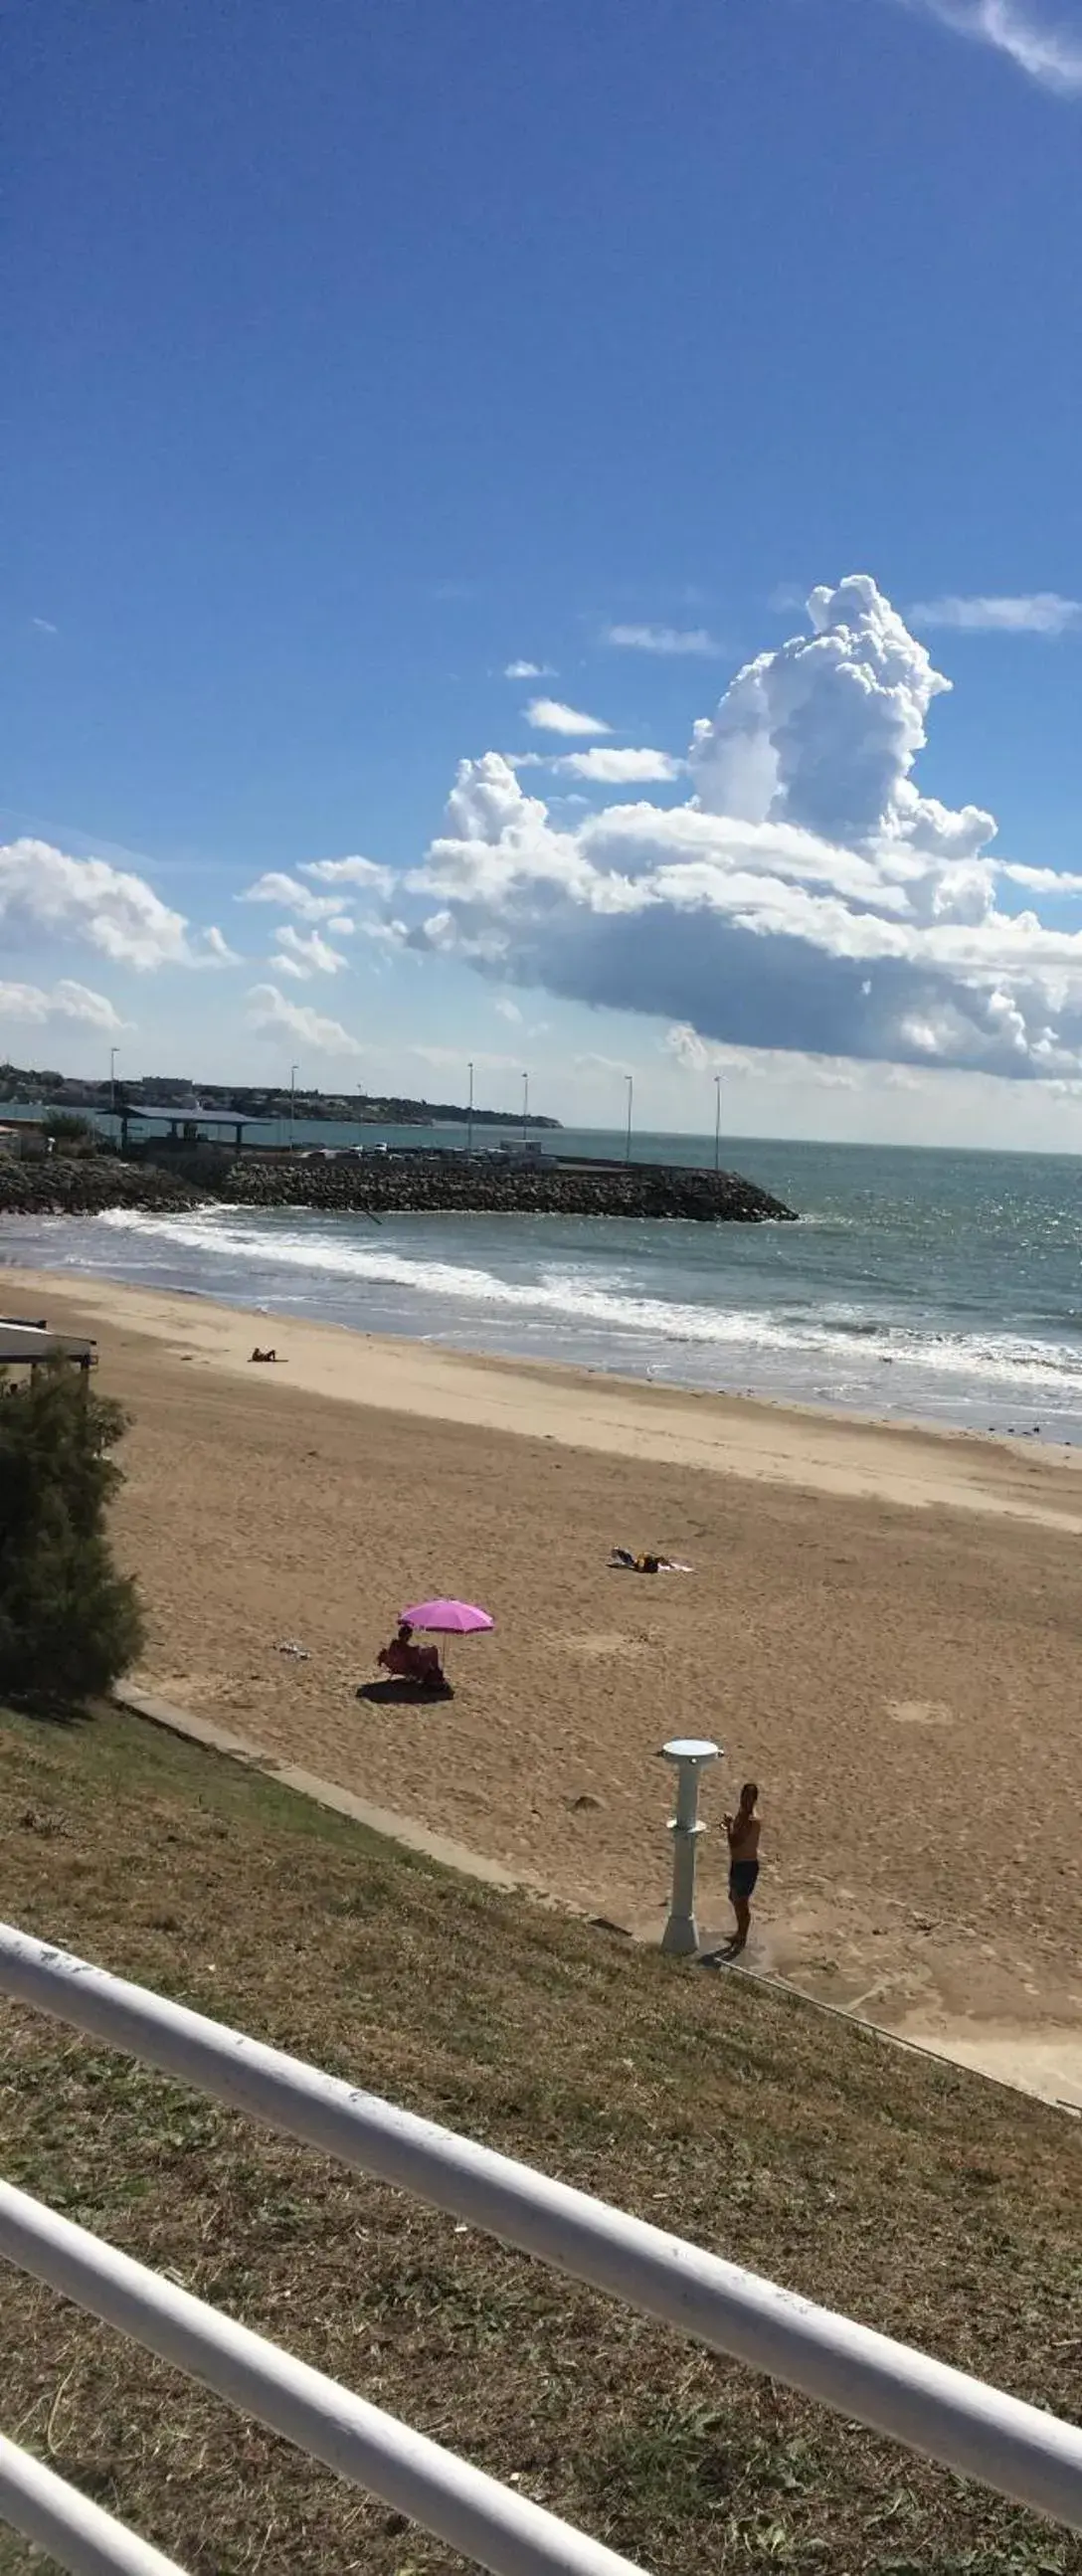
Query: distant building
525, 1151
24, 1139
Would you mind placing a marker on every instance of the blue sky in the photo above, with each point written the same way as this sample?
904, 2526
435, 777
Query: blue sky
359, 354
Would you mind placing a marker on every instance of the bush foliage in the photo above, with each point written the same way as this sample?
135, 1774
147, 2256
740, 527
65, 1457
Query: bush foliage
70, 1624
68, 1127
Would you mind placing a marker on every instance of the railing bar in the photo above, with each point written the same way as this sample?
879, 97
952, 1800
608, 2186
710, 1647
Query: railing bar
461, 2505
1019, 2451
55, 2517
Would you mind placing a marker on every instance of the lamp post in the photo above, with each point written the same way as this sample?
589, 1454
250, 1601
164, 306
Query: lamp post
525, 1105
469, 1117
629, 1078
690, 1755
293, 1072
717, 1122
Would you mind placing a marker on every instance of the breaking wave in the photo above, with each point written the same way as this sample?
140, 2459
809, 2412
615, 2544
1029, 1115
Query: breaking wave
248, 1259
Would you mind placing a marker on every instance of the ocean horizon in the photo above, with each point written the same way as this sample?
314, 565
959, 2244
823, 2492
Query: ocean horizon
920, 1283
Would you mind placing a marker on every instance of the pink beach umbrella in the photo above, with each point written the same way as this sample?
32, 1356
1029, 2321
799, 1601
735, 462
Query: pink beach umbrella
448, 1618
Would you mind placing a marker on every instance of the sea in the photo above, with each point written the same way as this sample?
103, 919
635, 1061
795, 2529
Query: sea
918, 1285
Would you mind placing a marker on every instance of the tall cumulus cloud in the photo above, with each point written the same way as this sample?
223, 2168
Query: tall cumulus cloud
807, 895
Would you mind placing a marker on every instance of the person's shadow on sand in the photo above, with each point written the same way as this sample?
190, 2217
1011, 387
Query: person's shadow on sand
394, 1690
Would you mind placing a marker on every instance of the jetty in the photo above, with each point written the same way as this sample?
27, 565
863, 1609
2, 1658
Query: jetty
416, 1179
160, 1175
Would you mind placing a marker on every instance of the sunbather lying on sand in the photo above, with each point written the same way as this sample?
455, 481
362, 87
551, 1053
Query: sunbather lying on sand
648, 1564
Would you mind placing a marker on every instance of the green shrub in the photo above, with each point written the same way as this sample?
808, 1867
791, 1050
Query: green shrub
70, 1625
68, 1128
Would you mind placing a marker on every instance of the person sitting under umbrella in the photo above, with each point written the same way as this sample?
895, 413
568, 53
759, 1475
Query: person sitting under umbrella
408, 1662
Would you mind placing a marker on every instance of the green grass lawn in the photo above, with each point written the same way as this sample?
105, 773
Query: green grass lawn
922, 2200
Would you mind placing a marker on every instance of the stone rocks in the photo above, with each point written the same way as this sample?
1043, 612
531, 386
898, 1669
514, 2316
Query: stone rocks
85, 1184
377, 1185
419, 1182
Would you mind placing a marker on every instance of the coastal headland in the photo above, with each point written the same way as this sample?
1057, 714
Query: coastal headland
881, 1626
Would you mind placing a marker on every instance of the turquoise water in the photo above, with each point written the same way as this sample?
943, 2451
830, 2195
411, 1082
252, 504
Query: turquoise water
928, 1285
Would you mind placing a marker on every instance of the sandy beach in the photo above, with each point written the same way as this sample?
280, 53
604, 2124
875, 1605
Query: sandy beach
881, 1625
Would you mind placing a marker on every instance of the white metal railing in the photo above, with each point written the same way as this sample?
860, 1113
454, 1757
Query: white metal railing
470, 2511
57, 2518
1018, 2450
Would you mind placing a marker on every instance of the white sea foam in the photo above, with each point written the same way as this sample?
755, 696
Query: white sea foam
596, 1302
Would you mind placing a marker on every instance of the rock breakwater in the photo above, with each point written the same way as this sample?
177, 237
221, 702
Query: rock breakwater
419, 1183
380, 1185
87, 1184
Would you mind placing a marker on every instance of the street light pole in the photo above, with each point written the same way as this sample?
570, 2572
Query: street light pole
717, 1122
469, 1117
525, 1105
293, 1072
629, 1078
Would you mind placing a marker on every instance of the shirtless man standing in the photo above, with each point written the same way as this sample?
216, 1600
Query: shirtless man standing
743, 1831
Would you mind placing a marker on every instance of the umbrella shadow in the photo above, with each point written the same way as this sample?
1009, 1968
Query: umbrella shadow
395, 1692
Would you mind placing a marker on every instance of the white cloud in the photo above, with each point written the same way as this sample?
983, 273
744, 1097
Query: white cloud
342, 925
663, 639
1040, 880
824, 732
698, 1056
44, 626
1041, 612
385, 934
445, 1058
30, 1005
290, 896
306, 953
215, 948
106, 908
1050, 54
509, 1011
528, 671
272, 1015
547, 715
614, 768
363, 873
808, 898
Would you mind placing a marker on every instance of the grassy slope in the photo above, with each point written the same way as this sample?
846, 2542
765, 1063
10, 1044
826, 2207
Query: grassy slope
927, 2203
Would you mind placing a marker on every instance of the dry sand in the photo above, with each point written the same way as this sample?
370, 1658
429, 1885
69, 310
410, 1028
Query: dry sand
882, 1626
